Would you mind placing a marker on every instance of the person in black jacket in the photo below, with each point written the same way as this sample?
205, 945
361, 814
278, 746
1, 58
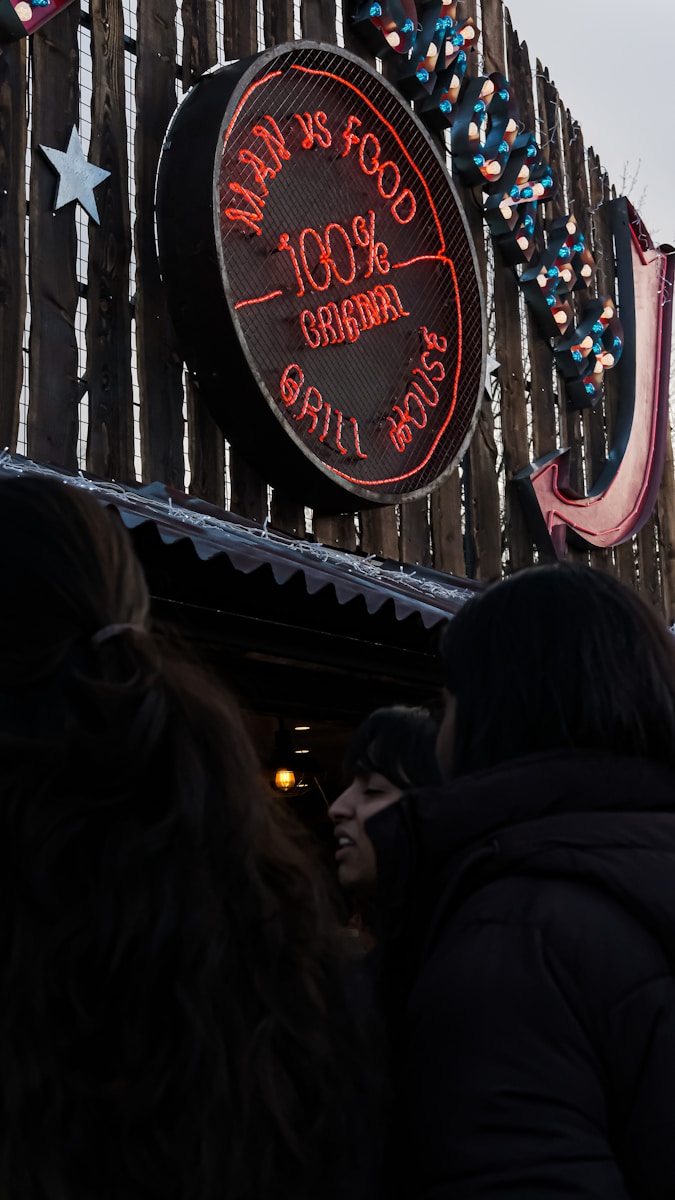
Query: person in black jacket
528, 945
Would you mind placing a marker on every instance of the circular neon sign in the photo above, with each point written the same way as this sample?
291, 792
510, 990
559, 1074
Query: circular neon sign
322, 277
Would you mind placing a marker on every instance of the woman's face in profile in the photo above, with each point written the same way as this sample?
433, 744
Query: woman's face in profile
355, 857
445, 742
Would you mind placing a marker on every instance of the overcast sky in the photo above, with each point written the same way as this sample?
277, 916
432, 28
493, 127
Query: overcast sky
614, 67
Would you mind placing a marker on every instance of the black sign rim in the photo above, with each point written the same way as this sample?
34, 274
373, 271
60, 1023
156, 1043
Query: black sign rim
332, 491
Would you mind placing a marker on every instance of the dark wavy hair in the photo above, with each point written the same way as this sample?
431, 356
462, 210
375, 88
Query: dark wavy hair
397, 742
176, 1017
559, 656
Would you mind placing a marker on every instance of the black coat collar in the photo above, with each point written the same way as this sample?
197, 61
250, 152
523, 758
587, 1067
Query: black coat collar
606, 820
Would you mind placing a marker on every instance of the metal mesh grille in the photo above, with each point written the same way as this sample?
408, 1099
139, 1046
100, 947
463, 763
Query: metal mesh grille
370, 395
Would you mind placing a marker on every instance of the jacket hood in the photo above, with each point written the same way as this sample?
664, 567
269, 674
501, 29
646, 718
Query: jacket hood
604, 820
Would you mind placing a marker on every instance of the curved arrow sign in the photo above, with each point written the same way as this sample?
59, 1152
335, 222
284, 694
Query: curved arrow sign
622, 498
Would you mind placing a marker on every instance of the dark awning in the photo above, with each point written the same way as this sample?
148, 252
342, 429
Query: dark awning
248, 546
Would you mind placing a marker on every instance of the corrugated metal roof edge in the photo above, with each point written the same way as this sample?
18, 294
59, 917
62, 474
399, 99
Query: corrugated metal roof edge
413, 590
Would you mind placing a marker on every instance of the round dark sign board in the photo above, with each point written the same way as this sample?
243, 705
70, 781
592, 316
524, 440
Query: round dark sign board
321, 277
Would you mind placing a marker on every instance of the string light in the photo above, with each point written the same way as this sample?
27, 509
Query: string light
141, 505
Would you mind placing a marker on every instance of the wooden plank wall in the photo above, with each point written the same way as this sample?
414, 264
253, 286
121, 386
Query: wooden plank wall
52, 280
133, 379
206, 445
12, 247
110, 434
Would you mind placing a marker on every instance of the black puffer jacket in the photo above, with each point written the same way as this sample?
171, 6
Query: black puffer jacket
528, 975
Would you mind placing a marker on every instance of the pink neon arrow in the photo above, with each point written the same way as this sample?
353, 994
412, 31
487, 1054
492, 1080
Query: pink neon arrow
622, 499
19, 18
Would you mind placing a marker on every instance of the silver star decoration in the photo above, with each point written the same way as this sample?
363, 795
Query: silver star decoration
77, 177
491, 367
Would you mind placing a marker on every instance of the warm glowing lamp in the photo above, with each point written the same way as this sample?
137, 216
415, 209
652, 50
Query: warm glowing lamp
284, 775
284, 779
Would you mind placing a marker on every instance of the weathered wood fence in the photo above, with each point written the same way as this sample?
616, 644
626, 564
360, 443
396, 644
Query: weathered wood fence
90, 372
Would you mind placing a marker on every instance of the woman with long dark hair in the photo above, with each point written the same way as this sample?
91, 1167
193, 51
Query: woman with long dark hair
529, 905
391, 751
176, 1019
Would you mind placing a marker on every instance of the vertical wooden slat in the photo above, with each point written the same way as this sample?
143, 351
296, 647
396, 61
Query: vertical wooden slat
649, 583
248, 490
382, 527
508, 344
317, 19
352, 40
492, 21
549, 111
241, 28
540, 355
415, 534
379, 532
160, 368
571, 423
603, 252
200, 47
54, 389
618, 561
666, 527
446, 527
338, 531
206, 446
206, 449
378, 526
286, 512
110, 435
415, 540
592, 419
539, 350
482, 514
480, 483
626, 566
555, 134
430, 531
12, 245
542, 394
278, 22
